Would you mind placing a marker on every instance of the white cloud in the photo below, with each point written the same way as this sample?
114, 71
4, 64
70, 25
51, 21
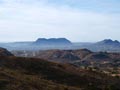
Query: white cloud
28, 20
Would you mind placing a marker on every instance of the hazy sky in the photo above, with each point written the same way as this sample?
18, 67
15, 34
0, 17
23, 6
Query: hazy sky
77, 20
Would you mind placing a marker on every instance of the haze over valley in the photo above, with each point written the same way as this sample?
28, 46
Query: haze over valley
107, 45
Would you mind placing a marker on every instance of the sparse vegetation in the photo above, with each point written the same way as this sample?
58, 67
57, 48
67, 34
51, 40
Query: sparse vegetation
37, 74
20, 73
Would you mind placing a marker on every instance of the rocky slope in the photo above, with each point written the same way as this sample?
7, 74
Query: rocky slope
4, 52
20, 73
38, 74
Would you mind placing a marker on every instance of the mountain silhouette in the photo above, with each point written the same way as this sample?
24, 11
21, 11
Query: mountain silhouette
53, 41
109, 42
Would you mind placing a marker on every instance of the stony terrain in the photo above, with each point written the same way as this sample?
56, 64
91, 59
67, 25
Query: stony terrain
20, 73
104, 61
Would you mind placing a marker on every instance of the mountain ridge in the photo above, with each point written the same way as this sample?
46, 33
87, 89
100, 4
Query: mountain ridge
108, 42
53, 41
108, 45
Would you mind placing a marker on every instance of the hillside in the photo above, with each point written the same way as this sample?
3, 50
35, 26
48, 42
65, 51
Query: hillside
37, 74
4, 52
56, 55
70, 56
104, 61
19, 73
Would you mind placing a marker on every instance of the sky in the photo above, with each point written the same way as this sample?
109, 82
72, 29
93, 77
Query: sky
77, 20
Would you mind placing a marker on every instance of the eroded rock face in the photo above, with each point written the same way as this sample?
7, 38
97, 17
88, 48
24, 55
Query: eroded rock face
5, 52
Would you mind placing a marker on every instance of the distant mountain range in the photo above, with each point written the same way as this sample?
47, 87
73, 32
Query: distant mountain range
106, 45
63, 44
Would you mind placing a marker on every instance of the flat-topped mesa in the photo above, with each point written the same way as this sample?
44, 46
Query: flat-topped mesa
53, 41
5, 52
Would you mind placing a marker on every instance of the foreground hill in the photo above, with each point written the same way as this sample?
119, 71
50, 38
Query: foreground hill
19, 73
36, 74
